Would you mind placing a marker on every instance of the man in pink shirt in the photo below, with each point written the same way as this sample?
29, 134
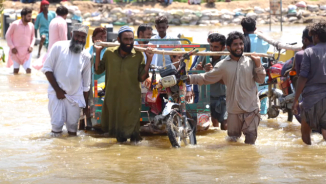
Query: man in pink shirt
58, 27
20, 38
57, 32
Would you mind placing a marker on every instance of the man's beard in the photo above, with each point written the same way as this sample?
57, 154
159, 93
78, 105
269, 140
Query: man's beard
145, 42
76, 46
236, 55
26, 20
125, 47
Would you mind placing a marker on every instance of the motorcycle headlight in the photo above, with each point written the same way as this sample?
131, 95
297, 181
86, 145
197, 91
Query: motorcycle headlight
168, 81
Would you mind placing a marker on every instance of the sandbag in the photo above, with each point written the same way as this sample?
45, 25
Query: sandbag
252, 15
301, 4
258, 10
313, 8
323, 7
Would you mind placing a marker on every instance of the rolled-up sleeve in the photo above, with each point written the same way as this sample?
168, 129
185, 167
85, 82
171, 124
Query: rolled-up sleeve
210, 77
141, 69
259, 74
305, 64
101, 66
86, 74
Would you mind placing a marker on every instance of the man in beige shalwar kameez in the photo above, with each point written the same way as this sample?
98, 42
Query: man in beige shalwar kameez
239, 73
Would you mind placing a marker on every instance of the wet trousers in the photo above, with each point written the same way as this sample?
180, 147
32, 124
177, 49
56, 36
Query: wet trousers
245, 122
63, 111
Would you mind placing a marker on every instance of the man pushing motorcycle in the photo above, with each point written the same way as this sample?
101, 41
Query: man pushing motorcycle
239, 73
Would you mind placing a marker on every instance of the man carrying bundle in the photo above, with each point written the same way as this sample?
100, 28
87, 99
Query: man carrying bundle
239, 73
124, 69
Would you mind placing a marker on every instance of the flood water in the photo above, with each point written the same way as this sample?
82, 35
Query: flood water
28, 153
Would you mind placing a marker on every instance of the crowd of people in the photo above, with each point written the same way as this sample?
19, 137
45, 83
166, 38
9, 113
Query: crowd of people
234, 78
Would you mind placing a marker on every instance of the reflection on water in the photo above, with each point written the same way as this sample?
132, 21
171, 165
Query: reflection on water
29, 154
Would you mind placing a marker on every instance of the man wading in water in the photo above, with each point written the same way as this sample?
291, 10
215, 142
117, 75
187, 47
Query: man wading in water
68, 69
239, 73
42, 22
217, 90
312, 84
124, 69
20, 39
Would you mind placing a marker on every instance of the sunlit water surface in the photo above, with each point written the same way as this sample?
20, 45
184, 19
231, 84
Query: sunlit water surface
28, 153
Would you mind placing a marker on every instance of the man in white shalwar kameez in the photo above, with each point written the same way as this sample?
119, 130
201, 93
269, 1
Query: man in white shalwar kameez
68, 70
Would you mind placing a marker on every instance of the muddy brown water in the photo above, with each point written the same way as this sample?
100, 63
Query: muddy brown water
28, 153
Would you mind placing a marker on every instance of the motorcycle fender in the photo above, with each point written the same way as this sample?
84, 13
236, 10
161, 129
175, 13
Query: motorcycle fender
277, 92
263, 92
168, 108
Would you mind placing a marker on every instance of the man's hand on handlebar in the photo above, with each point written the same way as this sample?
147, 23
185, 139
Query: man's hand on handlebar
189, 96
208, 67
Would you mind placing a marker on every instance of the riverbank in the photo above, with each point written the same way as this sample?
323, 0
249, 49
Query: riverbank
221, 14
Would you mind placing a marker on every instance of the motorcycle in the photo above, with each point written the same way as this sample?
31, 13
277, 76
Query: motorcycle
279, 74
166, 99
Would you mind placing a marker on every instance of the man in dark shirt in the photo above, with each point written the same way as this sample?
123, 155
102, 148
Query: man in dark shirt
312, 84
307, 42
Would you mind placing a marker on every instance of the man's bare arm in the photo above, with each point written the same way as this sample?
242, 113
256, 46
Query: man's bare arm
60, 93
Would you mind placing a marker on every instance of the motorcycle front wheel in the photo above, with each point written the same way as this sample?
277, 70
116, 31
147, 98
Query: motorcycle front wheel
176, 136
289, 111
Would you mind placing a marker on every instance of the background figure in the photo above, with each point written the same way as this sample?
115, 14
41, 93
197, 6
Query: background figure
20, 38
161, 25
168, 2
42, 22
144, 31
217, 90
57, 32
312, 85
99, 34
252, 43
58, 26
